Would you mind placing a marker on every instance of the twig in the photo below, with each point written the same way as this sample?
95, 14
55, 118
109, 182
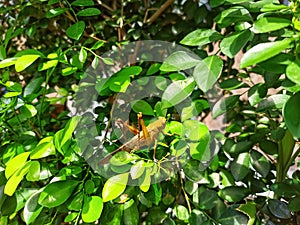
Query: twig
160, 11
186, 197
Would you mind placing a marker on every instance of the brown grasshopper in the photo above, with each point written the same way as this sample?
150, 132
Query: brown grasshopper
143, 138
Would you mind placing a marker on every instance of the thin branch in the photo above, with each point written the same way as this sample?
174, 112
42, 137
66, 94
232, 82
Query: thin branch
160, 11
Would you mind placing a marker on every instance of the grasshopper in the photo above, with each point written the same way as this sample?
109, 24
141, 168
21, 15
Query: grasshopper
143, 138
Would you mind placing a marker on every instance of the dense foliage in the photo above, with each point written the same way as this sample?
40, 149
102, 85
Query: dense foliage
237, 58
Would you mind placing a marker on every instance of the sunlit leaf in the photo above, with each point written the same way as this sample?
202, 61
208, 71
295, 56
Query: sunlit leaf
114, 187
8, 62
267, 24
14, 164
24, 61
16, 178
264, 51
32, 208
43, 149
179, 61
56, 193
207, 72
201, 37
92, 208
177, 92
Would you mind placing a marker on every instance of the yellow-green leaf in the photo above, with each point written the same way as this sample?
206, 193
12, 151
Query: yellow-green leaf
114, 187
14, 164
16, 178
147, 180
92, 208
24, 61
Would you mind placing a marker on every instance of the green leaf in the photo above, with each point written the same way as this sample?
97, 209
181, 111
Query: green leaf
264, 51
250, 210
55, 12
291, 112
97, 45
119, 83
9, 206
293, 71
233, 15
145, 185
197, 217
34, 171
294, 204
232, 84
89, 187
232, 44
16, 178
77, 201
83, 3
269, 147
47, 65
279, 209
43, 149
28, 110
208, 199
89, 12
13, 86
193, 109
193, 171
71, 217
233, 193
198, 132
143, 107
131, 213
201, 37
216, 3
137, 170
240, 166
121, 80
179, 60
11, 94
256, 93
16, 163
177, 92
154, 68
8, 62
92, 208
267, 24
114, 187
273, 7
260, 163
56, 193
207, 72
82, 55
240, 147
286, 151
227, 178
76, 30
223, 104
32, 208
273, 102
24, 61
232, 217
33, 86
69, 70
63, 136
181, 212
29, 52
108, 61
